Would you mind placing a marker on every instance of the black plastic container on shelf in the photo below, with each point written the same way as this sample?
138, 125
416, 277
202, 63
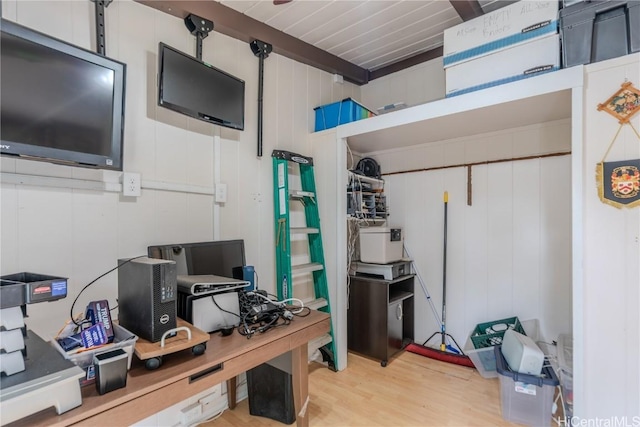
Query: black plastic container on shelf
29, 288
597, 30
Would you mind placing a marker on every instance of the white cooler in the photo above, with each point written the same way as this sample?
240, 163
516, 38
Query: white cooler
380, 245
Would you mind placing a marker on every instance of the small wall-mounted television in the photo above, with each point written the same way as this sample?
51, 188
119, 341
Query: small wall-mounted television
199, 90
60, 103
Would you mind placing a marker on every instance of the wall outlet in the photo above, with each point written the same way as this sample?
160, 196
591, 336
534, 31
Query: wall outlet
205, 400
220, 192
191, 414
131, 184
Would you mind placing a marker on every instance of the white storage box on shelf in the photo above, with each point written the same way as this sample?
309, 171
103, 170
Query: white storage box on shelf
122, 339
517, 23
380, 245
517, 63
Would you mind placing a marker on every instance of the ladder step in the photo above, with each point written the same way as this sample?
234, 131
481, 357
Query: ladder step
319, 342
316, 303
299, 194
306, 268
305, 230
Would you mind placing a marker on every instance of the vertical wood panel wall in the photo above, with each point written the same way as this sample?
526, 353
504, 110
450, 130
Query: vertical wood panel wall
611, 288
80, 234
509, 253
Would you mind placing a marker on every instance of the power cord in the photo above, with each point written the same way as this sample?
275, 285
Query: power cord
260, 312
222, 309
91, 283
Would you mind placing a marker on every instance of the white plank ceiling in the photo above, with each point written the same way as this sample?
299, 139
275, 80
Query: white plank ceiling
369, 33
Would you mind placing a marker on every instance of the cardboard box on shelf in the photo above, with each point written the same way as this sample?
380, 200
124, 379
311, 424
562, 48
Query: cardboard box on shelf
520, 62
515, 24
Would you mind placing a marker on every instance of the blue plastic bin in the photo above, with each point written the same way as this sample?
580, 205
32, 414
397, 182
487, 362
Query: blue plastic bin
338, 113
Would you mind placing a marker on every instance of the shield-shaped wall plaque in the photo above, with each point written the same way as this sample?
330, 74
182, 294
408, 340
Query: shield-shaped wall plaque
619, 183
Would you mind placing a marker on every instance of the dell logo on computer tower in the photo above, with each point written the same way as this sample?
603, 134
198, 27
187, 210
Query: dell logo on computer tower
147, 289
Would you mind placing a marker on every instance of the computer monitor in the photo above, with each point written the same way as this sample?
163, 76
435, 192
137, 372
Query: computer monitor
216, 257
219, 258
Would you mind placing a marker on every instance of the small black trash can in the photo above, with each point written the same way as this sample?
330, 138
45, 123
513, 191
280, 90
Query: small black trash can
270, 390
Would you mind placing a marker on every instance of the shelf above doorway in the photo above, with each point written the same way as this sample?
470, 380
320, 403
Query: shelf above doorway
534, 100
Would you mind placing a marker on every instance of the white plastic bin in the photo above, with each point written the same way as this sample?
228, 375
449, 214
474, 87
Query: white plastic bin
565, 371
122, 339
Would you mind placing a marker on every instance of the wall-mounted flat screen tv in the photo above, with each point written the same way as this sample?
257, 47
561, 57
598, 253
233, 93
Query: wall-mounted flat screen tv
199, 90
60, 103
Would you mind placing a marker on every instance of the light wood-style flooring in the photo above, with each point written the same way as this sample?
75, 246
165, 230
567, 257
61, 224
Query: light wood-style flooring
411, 391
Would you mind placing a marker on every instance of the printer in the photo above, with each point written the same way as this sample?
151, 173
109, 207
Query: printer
210, 312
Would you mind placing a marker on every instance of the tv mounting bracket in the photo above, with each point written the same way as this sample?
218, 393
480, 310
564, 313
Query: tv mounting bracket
100, 43
200, 28
261, 50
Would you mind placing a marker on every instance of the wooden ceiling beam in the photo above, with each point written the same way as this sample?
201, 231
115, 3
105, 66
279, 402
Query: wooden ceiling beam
242, 27
467, 9
406, 63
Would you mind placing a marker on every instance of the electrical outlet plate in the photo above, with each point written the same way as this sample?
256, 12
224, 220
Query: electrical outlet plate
220, 192
131, 184
216, 394
191, 414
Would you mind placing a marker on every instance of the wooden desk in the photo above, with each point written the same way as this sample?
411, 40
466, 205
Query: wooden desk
183, 375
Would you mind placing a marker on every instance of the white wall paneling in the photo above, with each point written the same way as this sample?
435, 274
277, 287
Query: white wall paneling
72, 222
77, 225
610, 293
435, 139
415, 85
499, 262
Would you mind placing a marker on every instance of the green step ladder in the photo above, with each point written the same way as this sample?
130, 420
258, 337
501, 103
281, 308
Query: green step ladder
285, 271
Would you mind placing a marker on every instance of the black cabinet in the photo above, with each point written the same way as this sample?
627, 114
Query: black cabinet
380, 316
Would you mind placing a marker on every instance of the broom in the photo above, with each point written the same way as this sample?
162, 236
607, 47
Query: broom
446, 352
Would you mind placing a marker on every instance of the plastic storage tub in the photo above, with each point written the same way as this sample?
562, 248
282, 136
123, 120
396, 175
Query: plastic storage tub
565, 371
479, 346
30, 288
380, 245
525, 399
489, 334
341, 112
122, 339
597, 30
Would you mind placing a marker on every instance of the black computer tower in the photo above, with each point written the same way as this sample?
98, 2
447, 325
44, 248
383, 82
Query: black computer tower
147, 292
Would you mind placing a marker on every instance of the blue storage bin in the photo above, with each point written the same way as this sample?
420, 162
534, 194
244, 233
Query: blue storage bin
338, 113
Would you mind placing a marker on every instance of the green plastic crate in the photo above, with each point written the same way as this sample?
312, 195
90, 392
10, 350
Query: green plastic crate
483, 334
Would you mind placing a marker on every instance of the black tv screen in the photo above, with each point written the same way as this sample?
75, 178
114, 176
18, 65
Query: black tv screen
60, 103
199, 90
